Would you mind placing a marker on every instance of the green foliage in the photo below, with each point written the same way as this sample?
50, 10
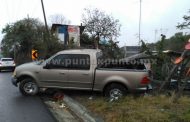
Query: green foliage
140, 109
111, 50
185, 116
97, 21
143, 46
176, 42
52, 45
1, 55
23, 36
86, 41
99, 24
186, 23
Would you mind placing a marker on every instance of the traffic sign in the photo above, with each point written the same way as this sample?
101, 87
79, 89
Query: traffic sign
34, 54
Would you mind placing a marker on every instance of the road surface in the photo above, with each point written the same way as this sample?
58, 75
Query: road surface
16, 108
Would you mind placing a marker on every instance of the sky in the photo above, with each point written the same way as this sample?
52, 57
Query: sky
158, 16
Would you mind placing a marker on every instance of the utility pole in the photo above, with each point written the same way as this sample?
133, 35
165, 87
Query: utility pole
44, 15
28, 16
156, 31
140, 22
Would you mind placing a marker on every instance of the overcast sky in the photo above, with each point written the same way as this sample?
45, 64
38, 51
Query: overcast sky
158, 16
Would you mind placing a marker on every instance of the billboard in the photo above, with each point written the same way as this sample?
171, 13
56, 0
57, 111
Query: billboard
74, 35
68, 35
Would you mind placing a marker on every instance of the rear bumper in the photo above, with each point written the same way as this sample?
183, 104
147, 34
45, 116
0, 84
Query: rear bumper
14, 81
147, 88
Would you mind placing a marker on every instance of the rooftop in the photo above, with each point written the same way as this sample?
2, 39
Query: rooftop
80, 51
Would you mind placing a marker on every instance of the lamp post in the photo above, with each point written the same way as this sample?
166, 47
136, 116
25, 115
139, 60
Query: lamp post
140, 22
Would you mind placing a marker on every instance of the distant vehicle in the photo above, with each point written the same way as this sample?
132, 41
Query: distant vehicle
7, 64
80, 70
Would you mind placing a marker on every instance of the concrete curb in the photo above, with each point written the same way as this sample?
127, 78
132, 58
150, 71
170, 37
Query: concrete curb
60, 114
80, 110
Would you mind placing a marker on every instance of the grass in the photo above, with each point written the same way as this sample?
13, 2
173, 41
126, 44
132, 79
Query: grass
140, 109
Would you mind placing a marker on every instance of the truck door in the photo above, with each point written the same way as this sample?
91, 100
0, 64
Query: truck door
56, 75
80, 74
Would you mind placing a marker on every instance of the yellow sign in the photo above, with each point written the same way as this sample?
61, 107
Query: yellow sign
34, 54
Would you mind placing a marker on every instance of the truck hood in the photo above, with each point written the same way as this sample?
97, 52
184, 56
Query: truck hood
32, 66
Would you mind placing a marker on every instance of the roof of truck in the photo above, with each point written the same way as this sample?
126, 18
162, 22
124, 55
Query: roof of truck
86, 51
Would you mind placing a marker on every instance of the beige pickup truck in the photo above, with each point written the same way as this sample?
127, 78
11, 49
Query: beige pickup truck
81, 69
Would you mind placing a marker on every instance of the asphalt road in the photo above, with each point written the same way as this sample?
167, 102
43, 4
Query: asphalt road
17, 108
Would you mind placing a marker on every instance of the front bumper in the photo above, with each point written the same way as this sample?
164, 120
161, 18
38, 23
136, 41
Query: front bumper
7, 67
14, 81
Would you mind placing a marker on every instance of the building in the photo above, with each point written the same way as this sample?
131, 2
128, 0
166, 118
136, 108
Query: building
68, 34
130, 50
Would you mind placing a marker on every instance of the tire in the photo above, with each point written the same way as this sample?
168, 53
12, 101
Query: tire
115, 91
28, 87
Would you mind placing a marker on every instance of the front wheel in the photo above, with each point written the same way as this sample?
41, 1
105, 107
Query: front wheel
115, 91
28, 87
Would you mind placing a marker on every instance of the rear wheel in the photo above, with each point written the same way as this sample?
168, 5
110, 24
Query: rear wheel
115, 91
28, 87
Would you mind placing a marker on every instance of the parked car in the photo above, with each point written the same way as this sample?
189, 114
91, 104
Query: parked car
7, 64
81, 69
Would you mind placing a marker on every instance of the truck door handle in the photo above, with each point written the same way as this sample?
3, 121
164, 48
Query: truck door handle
62, 73
85, 74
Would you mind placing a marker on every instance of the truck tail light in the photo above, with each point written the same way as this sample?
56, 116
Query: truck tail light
145, 80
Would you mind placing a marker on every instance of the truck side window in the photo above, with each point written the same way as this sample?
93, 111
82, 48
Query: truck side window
60, 61
80, 61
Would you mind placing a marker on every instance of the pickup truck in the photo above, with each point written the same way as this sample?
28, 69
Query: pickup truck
81, 69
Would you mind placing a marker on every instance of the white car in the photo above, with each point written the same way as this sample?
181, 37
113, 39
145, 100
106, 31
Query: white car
7, 64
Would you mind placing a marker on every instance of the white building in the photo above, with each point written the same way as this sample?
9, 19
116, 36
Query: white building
130, 50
